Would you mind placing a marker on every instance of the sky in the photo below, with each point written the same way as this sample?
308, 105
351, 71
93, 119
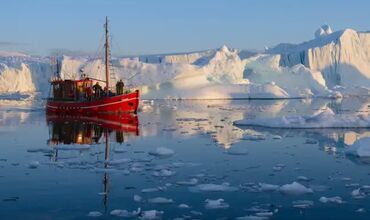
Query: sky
41, 27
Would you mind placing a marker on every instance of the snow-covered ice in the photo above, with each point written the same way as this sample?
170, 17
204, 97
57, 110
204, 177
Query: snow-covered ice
162, 152
216, 204
295, 189
160, 200
211, 187
335, 199
310, 69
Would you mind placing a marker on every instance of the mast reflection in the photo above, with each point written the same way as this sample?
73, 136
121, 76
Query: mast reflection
80, 130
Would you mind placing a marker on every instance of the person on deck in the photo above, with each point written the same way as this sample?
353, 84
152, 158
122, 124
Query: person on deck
88, 93
97, 90
119, 87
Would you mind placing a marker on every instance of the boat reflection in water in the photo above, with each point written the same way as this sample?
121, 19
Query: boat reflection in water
66, 129
90, 130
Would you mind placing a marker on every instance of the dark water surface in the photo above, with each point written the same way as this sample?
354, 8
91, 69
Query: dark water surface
61, 168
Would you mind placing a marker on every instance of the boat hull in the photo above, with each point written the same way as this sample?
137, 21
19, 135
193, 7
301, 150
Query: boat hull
125, 103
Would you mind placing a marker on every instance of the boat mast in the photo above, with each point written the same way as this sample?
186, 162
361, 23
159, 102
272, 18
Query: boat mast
106, 55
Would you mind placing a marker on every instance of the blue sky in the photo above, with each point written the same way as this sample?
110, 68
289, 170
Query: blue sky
162, 26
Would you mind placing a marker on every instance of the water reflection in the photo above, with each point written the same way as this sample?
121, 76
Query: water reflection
88, 130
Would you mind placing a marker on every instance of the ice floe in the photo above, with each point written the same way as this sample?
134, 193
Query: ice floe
216, 204
190, 182
125, 213
334, 199
150, 214
162, 152
295, 189
303, 204
164, 173
210, 187
183, 206
160, 200
33, 164
94, 214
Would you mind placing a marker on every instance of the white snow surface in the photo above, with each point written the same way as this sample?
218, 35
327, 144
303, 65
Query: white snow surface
332, 64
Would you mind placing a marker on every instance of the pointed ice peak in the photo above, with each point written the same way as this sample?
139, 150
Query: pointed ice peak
224, 48
324, 30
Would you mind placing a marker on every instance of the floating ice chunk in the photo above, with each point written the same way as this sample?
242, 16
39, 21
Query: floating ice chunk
94, 214
264, 187
33, 164
277, 137
190, 182
335, 199
264, 214
149, 190
151, 214
303, 178
303, 204
278, 167
183, 206
295, 189
252, 217
164, 173
216, 204
358, 194
162, 152
125, 213
210, 187
137, 198
118, 161
361, 148
160, 200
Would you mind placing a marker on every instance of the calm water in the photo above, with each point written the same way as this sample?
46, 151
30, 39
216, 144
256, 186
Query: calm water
61, 168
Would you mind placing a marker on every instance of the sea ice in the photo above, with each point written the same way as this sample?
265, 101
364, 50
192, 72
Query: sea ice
295, 189
216, 204
303, 204
164, 173
264, 187
183, 206
210, 187
162, 152
33, 164
335, 199
190, 182
94, 214
137, 198
160, 200
150, 214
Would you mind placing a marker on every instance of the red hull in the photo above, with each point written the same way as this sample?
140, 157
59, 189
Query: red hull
126, 103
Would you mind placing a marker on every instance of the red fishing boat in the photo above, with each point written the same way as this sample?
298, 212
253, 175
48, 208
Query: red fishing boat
83, 97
